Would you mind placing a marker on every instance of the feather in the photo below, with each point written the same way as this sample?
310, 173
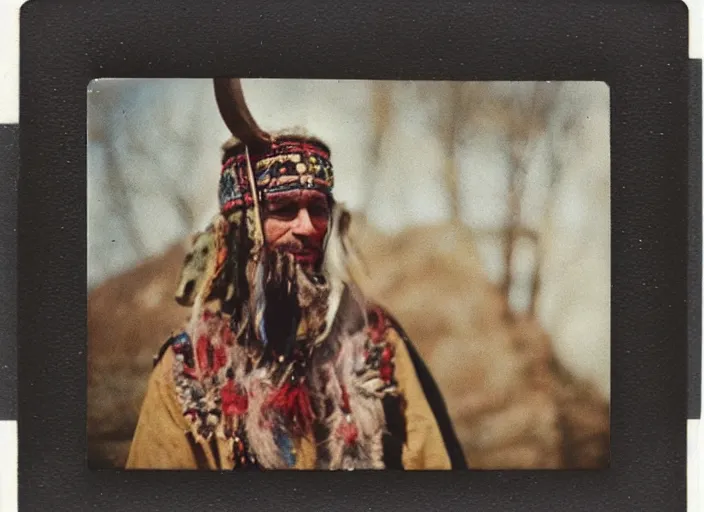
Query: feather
260, 422
259, 301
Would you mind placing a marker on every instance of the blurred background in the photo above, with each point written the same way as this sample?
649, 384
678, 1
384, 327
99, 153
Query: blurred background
482, 211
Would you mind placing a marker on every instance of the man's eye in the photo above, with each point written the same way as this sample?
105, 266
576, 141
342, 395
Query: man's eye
284, 210
318, 210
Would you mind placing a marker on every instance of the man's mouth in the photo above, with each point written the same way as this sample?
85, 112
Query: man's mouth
306, 256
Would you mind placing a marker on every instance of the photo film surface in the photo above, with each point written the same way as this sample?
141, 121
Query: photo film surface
480, 211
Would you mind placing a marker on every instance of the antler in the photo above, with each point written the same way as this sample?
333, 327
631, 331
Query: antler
234, 111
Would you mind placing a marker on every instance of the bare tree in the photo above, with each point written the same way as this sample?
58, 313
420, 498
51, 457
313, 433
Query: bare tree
102, 132
125, 141
381, 107
453, 120
527, 121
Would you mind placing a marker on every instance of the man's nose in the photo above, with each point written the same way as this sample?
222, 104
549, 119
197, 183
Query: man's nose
303, 224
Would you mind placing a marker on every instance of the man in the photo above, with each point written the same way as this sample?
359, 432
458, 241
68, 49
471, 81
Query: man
284, 364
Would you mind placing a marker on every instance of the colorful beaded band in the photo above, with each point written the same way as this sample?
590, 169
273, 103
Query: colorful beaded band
288, 164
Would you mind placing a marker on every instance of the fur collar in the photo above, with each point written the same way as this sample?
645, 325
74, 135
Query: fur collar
334, 396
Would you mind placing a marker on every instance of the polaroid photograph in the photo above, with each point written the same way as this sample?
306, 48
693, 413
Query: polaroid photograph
348, 274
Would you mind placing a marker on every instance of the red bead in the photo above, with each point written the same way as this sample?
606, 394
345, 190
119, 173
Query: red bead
220, 359
387, 354
202, 346
345, 399
386, 372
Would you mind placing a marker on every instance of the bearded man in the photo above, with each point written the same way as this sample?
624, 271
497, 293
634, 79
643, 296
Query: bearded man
284, 363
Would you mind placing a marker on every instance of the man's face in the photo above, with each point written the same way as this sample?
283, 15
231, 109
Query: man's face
296, 222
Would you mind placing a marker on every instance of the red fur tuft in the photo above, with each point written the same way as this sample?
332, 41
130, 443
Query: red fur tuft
233, 403
293, 401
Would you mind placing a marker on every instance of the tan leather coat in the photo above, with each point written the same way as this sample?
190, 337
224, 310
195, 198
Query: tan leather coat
161, 439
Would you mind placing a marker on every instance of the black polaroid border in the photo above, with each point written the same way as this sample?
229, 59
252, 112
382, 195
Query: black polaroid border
694, 262
9, 169
639, 48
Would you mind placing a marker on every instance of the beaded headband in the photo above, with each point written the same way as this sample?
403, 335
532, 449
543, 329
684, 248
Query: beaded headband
287, 164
